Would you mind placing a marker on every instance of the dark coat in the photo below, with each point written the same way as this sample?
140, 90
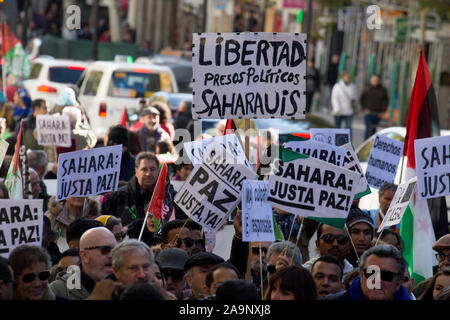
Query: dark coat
127, 167
375, 99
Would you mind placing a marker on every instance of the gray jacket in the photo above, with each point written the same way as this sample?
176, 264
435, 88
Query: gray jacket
59, 288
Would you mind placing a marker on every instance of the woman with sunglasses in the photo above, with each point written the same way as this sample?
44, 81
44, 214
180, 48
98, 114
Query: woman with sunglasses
31, 266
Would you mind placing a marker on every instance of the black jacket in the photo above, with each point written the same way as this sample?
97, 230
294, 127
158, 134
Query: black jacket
127, 167
375, 99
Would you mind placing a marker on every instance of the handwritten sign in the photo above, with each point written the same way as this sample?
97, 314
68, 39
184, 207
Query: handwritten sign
213, 188
21, 222
249, 75
398, 204
383, 161
3, 148
351, 163
318, 150
88, 172
53, 130
257, 220
433, 166
335, 137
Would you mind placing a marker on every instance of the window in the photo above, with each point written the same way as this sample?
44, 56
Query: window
35, 70
92, 83
64, 74
131, 84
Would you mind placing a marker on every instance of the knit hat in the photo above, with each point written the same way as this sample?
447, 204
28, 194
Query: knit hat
103, 219
119, 134
23, 94
356, 215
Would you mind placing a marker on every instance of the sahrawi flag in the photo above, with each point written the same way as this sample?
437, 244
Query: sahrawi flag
14, 57
13, 181
416, 228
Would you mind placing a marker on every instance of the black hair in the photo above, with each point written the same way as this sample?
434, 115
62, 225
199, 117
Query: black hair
237, 290
36, 103
74, 252
141, 291
192, 225
226, 265
329, 259
79, 226
177, 223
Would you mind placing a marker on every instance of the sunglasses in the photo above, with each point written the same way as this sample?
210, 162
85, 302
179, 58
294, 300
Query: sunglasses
29, 277
271, 269
175, 274
329, 238
104, 250
384, 275
189, 242
255, 250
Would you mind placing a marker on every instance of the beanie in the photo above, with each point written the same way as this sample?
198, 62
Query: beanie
356, 215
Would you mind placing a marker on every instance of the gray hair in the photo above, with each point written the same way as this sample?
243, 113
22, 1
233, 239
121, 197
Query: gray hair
127, 246
385, 251
36, 159
278, 247
388, 187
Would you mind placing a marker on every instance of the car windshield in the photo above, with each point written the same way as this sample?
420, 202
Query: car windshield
132, 84
364, 152
65, 74
35, 70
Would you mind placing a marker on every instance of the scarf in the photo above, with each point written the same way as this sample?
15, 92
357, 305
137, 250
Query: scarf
356, 292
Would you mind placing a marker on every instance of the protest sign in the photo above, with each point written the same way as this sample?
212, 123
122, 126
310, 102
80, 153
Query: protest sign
257, 220
213, 188
3, 148
335, 137
195, 149
53, 130
351, 163
88, 172
318, 150
398, 204
20, 223
433, 166
383, 161
210, 239
249, 75
312, 188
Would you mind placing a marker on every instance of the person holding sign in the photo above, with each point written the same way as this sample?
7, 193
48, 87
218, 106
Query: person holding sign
38, 106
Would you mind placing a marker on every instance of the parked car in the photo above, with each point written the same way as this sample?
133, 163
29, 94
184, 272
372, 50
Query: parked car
48, 76
172, 99
108, 87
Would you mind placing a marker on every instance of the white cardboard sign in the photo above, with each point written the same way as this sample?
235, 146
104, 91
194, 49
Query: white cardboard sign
53, 130
351, 163
3, 148
213, 188
257, 219
20, 223
88, 172
318, 150
383, 161
433, 166
335, 137
249, 75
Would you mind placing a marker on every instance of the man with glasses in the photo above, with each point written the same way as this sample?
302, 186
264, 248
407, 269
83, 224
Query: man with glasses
380, 277
442, 247
96, 264
176, 234
334, 242
171, 263
197, 237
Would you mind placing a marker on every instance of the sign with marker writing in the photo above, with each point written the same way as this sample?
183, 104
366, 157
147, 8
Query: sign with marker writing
257, 219
351, 163
213, 188
195, 149
312, 188
88, 172
433, 166
383, 161
249, 75
335, 137
3, 148
53, 130
398, 204
20, 223
318, 150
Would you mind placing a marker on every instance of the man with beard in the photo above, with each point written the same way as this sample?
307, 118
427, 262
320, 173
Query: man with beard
96, 264
327, 274
334, 242
130, 201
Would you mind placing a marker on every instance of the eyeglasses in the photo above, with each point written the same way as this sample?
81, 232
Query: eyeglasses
442, 256
104, 250
29, 277
271, 269
255, 250
329, 238
384, 275
175, 274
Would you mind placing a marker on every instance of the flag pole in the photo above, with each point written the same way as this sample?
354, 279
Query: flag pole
379, 237
260, 272
354, 248
298, 238
3, 59
143, 225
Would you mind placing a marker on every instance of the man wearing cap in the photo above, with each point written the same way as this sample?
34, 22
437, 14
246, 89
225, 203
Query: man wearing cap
172, 261
442, 247
151, 132
119, 135
6, 280
197, 267
361, 228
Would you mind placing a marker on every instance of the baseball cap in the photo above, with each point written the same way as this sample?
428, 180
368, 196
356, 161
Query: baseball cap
149, 110
202, 258
356, 215
443, 243
172, 258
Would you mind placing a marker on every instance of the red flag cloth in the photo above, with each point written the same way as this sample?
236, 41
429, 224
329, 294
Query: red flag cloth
9, 39
124, 118
156, 203
422, 121
17, 148
230, 127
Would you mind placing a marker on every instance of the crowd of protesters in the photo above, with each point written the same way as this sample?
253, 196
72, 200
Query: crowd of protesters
101, 236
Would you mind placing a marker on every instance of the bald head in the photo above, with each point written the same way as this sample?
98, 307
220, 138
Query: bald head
97, 237
34, 183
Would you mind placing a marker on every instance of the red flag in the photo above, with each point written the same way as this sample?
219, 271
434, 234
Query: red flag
230, 127
124, 118
156, 203
17, 148
9, 39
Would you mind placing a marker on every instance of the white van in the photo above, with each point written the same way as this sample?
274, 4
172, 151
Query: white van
108, 87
